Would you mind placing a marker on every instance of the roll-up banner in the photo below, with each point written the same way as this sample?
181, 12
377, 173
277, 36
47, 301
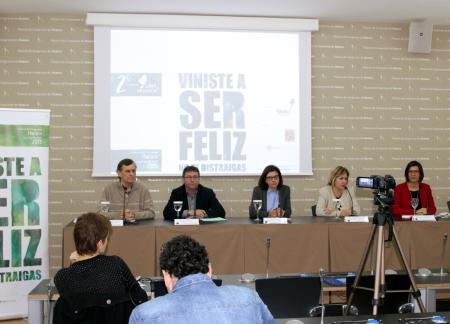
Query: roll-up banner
24, 261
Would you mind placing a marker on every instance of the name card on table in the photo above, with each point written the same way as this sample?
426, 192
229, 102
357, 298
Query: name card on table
186, 221
424, 218
356, 219
116, 222
275, 220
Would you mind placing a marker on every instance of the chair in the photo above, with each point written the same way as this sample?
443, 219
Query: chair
313, 210
362, 299
288, 297
116, 312
99, 308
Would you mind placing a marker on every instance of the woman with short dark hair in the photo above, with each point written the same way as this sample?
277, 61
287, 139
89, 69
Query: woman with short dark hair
413, 192
95, 281
275, 196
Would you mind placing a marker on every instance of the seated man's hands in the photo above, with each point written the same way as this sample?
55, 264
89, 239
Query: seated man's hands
276, 212
130, 216
198, 213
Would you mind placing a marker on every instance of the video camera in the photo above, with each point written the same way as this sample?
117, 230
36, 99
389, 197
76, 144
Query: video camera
382, 186
382, 196
377, 182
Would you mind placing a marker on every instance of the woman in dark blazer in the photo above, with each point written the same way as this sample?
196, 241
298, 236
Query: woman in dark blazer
275, 196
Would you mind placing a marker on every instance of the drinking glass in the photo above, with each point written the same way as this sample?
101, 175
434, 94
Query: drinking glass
258, 205
104, 206
414, 204
337, 207
177, 205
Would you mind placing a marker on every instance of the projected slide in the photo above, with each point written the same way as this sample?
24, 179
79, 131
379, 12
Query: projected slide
227, 102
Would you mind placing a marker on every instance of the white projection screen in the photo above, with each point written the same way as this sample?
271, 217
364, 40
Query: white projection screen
229, 102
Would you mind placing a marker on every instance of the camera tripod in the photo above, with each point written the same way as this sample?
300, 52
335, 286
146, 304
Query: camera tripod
382, 217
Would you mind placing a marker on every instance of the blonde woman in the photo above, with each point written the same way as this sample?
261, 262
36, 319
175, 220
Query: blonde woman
337, 199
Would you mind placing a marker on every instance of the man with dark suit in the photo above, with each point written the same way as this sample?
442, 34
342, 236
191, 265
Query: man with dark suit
198, 201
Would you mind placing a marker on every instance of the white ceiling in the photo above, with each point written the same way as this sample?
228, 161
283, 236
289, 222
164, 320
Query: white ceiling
438, 11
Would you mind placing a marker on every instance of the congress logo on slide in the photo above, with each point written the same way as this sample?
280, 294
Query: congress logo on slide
135, 84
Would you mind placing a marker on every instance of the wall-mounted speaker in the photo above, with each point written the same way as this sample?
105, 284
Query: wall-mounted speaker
420, 36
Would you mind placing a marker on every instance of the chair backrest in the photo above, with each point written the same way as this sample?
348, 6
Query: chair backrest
313, 210
288, 297
362, 299
118, 313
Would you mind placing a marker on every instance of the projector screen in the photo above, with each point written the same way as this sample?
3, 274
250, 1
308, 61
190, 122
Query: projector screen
229, 102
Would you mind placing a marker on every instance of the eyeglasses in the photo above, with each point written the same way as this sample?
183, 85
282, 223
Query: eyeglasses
413, 171
195, 178
273, 178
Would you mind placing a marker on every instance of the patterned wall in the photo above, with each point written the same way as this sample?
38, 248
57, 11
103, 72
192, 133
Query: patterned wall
374, 108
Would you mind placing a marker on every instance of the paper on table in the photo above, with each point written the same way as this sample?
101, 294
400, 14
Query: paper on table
212, 220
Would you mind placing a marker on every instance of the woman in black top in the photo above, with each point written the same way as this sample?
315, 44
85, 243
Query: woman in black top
95, 288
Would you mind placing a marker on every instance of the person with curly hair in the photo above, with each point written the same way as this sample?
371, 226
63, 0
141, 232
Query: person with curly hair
193, 297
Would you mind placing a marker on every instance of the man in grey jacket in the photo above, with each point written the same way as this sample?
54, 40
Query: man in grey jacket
128, 199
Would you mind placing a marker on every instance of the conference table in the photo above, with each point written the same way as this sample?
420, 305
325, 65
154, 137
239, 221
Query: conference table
304, 246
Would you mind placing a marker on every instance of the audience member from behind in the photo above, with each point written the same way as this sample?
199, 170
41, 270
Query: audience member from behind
95, 288
128, 195
193, 297
337, 199
413, 188
275, 196
198, 201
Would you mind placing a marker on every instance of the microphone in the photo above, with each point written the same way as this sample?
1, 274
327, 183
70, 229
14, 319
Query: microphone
322, 311
351, 200
444, 253
268, 242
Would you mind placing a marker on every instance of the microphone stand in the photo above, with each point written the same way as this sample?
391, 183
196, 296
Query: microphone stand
322, 311
49, 300
444, 253
125, 193
351, 200
268, 241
